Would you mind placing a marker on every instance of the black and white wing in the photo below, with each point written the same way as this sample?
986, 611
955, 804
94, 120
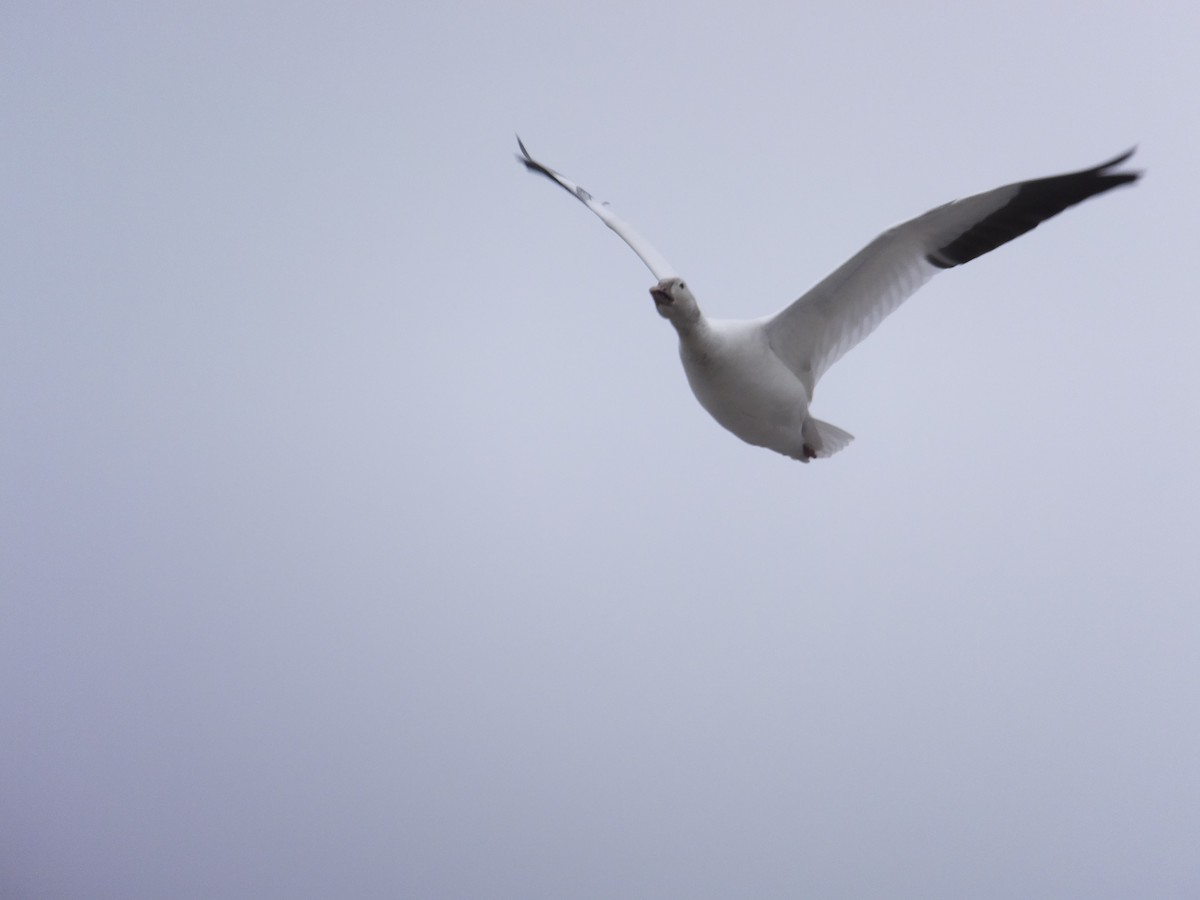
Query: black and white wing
651, 257
814, 332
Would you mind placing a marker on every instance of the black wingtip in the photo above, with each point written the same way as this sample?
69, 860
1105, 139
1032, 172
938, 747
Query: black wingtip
1117, 160
1125, 177
525, 159
533, 165
1034, 202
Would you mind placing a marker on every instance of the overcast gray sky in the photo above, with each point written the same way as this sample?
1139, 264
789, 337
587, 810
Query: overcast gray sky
361, 537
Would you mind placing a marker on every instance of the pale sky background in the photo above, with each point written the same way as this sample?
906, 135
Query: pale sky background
361, 537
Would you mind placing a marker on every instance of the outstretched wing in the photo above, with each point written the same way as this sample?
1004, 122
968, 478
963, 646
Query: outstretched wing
651, 257
814, 332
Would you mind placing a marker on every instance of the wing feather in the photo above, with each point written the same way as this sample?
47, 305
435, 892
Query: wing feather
652, 258
816, 330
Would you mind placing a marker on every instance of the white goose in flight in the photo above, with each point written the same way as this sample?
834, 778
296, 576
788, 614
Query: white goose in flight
756, 378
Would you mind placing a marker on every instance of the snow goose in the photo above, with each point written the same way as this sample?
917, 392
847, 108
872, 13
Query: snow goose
756, 378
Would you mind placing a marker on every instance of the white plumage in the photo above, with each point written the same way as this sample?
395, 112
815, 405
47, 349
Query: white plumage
757, 378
